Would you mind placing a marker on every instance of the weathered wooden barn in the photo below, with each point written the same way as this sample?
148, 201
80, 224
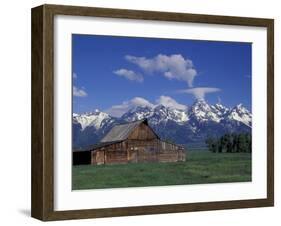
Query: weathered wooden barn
130, 143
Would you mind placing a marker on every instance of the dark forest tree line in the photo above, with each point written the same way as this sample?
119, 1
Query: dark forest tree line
230, 142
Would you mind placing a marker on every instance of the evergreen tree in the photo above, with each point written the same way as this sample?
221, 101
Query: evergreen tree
230, 142
242, 144
211, 144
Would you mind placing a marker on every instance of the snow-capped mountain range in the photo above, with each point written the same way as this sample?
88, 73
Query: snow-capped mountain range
192, 125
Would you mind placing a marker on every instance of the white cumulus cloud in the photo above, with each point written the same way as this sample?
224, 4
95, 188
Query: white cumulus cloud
128, 74
74, 75
200, 92
120, 109
79, 92
170, 102
170, 66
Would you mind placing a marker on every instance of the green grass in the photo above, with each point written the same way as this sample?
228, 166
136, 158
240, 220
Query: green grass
200, 167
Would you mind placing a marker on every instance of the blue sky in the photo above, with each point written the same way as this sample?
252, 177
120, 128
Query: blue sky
115, 73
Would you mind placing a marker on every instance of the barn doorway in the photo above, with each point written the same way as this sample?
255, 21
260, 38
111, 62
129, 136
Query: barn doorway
81, 158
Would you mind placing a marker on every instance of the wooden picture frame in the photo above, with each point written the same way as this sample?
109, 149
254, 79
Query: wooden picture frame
42, 203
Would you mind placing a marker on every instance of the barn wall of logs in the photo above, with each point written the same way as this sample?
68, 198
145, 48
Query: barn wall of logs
135, 151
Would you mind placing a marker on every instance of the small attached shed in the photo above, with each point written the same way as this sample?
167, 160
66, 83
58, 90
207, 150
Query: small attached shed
131, 143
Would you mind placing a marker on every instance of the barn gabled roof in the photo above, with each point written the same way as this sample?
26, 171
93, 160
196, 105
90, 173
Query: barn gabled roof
122, 131
96, 146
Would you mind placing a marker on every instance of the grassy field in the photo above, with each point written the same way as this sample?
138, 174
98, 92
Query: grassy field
200, 167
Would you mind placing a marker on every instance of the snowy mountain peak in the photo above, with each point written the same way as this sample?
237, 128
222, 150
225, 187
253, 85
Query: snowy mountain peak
95, 119
200, 105
241, 108
137, 113
201, 111
161, 109
219, 109
241, 114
